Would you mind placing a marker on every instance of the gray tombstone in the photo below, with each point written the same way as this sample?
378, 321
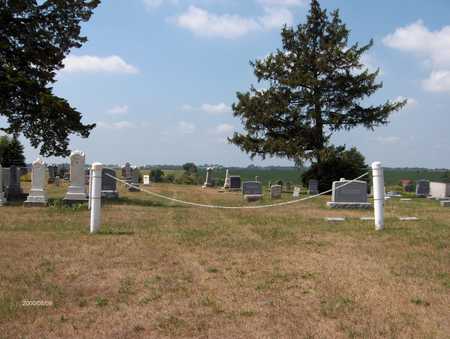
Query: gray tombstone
275, 191
14, 191
109, 185
313, 187
235, 183
252, 190
134, 180
52, 173
57, 181
348, 194
423, 188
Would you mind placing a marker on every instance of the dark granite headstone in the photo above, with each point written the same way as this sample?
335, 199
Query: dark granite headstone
14, 192
235, 183
109, 185
251, 188
423, 188
313, 187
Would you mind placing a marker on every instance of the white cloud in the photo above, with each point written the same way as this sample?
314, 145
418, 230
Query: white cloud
186, 127
276, 18
95, 64
116, 125
153, 4
282, 3
118, 110
203, 23
223, 129
410, 102
231, 26
438, 81
432, 46
213, 109
417, 38
389, 140
218, 109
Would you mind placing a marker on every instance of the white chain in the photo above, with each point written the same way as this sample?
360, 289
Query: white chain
233, 207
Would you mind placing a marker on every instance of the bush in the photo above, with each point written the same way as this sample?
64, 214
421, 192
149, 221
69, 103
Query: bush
337, 163
156, 175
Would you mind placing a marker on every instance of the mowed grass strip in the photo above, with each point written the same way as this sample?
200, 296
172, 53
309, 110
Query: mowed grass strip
160, 269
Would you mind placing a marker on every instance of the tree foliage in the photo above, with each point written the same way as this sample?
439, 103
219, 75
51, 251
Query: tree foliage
337, 163
156, 175
316, 86
190, 168
11, 152
35, 37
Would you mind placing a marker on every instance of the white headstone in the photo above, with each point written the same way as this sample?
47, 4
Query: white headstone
226, 185
146, 180
296, 193
209, 180
2, 193
76, 191
38, 195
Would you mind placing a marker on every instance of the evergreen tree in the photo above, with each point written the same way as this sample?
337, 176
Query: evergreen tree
35, 37
11, 152
316, 86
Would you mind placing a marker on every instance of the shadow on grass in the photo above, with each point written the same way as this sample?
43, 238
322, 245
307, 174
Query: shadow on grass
139, 202
109, 231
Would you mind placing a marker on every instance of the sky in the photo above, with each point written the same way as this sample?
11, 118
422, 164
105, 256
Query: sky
159, 78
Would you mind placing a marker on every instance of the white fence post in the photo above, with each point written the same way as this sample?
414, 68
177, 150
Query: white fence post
96, 198
378, 195
90, 189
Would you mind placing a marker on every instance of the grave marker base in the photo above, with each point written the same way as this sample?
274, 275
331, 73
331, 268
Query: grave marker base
349, 205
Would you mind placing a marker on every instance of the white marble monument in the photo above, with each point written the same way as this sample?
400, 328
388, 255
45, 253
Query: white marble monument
76, 191
226, 185
38, 194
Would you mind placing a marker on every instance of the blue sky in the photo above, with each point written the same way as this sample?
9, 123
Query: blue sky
159, 76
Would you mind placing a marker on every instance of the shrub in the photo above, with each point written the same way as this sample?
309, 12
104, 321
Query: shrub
336, 163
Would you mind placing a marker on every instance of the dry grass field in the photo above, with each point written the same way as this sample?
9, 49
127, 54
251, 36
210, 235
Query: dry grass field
159, 270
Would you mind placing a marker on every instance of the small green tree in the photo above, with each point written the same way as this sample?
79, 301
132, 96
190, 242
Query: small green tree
316, 86
190, 168
156, 175
11, 152
337, 163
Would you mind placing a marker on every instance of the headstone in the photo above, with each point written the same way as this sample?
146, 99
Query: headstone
393, 194
275, 191
252, 190
313, 187
337, 219
109, 185
235, 183
146, 180
445, 203
440, 190
209, 181
288, 187
348, 194
76, 191
126, 171
87, 175
52, 173
38, 195
257, 179
422, 188
296, 193
226, 184
408, 218
57, 181
14, 192
134, 180
2, 192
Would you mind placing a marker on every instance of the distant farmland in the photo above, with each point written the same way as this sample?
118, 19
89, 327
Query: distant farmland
293, 175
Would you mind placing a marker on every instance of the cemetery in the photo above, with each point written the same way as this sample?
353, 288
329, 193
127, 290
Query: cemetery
136, 207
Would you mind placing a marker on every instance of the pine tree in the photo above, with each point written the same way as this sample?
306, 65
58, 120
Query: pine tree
11, 152
316, 87
35, 37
